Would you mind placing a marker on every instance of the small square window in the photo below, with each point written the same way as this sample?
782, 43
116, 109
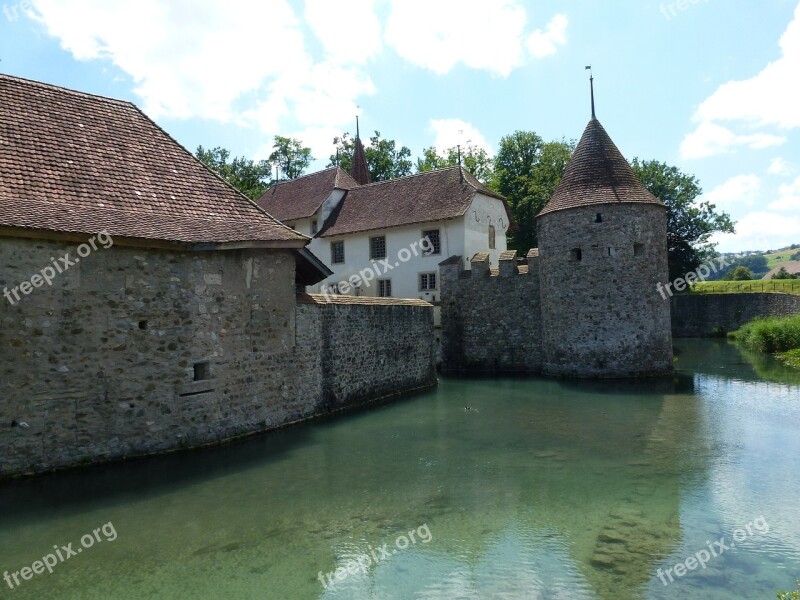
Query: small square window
337, 253
384, 288
427, 281
377, 247
576, 254
434, 244
313, 227
202, 371
638, 249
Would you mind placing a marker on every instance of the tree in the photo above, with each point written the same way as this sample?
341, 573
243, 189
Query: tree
527, 171
740, 273
784, 274
384, 159
690, 224
474, 159
757, 263
290, 156
249, 177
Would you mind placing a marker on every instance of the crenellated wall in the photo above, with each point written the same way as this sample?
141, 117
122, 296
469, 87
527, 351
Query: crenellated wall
491, 320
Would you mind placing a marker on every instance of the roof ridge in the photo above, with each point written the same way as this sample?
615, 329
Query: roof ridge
61, 88
421, 173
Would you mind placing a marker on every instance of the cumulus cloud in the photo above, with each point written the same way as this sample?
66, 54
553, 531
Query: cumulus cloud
545, 42
451, 132
768, 100
738, 191
349, 31
779, 167
710, 139
788, 197
760, 230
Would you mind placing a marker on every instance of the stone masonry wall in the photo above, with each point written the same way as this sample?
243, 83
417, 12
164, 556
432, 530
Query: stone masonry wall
705, 315
491, 319
103, 364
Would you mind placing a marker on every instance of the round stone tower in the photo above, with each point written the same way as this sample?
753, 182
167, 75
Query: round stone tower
602, 252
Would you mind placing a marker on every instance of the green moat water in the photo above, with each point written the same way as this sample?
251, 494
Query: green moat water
545, 489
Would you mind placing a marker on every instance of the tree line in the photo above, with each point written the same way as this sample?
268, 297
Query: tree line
526, 170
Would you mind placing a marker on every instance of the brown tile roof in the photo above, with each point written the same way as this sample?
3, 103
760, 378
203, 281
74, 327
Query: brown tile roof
302, 197
426, 197
360, 170
360, 300
76, 163
597, 173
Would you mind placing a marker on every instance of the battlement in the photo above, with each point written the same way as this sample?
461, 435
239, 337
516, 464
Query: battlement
510, 265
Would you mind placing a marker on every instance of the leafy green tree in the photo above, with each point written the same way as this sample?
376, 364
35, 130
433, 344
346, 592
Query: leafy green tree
384, 160
290, 156
784, 274
249, 177
474, 159
757, 263
527, 171
740, 273
690, 224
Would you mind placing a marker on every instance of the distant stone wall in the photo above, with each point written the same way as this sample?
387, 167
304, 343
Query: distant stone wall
491, 321
135, 351
705, 315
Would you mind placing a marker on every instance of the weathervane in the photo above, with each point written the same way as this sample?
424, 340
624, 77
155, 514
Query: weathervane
591, 85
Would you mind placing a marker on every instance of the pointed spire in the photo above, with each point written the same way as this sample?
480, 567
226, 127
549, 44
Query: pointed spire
359, 169
591, 86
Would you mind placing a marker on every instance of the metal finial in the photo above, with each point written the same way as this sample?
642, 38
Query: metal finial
591, 86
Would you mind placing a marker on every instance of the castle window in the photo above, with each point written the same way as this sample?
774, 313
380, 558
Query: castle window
384, 288
427, 281
612, 251
434, 242
599, 218
377, 247
313, 227
337, 253
202, 371
638, 249
492, 238
575, 254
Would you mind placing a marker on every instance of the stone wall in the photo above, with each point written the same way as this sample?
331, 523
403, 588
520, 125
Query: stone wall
601, 313
491, 320
135, 351
706, 315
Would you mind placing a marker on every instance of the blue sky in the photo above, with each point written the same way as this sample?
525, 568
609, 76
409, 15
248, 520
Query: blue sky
708, 85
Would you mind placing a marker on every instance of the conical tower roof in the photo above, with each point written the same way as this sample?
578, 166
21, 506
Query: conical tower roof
597, 173
359, 169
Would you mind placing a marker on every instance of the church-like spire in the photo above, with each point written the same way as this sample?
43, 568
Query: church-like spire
359, 169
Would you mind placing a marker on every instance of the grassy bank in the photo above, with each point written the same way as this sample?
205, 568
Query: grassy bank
781, 286
773, 335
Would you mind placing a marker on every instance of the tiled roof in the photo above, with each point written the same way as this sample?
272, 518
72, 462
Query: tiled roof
426, 197
360, 300
301, 198
76, 163
597, 173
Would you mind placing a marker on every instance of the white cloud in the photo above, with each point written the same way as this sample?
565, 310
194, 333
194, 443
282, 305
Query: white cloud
217, 61
437, 35
779, 167
451, 132
710, 139
769, 99
544, 43
760, 230
349, 30
738, 191
788, 197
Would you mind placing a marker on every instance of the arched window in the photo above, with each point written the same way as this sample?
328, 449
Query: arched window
492, 238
